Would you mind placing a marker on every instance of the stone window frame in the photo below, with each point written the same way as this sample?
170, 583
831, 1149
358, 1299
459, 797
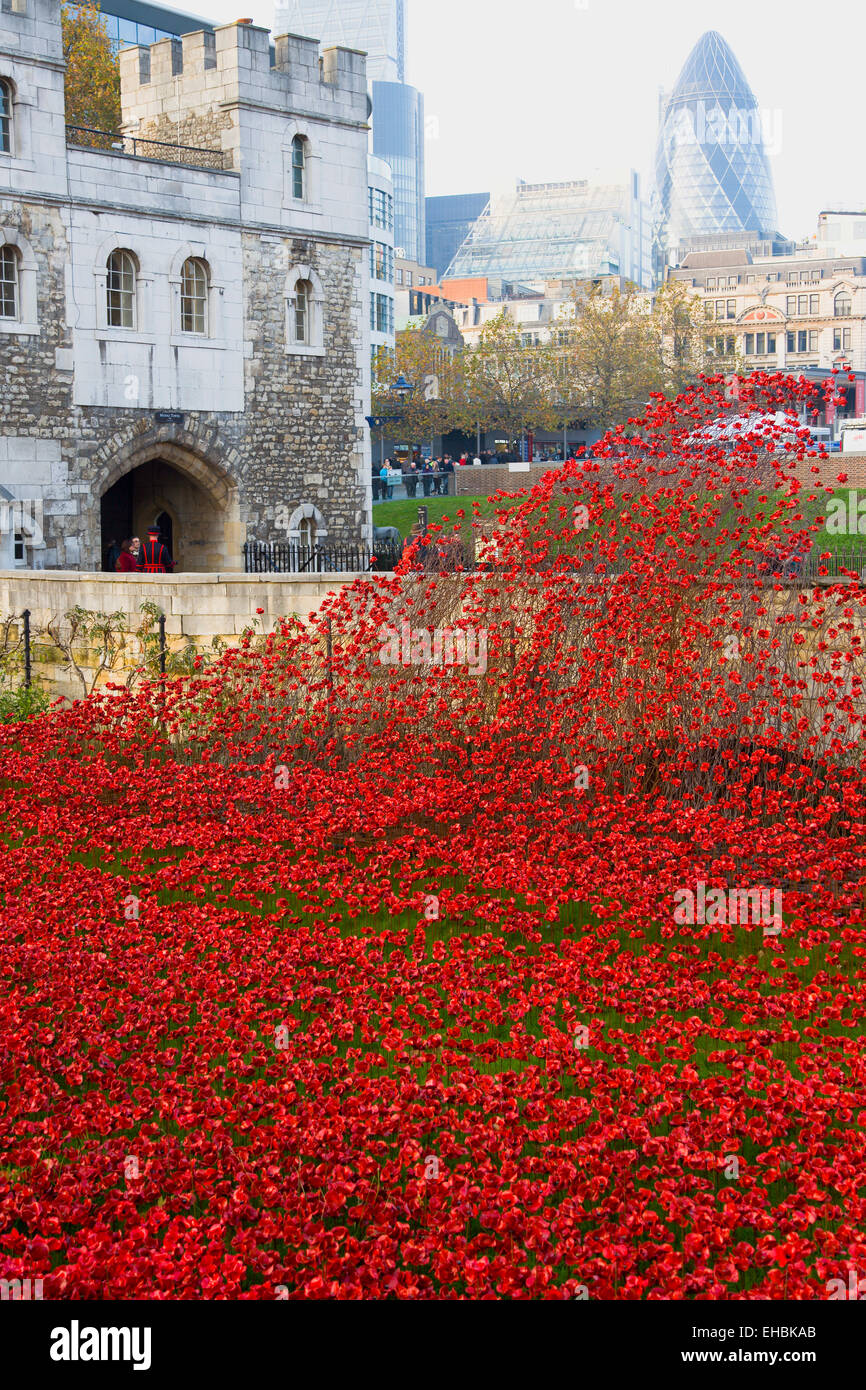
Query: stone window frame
306, 511
843, 291
23, 98
7, 88
141, 333
312, 200
27, 321
315, 346
213, 337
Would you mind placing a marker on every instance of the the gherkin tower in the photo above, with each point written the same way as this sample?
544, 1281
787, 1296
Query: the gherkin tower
712, 173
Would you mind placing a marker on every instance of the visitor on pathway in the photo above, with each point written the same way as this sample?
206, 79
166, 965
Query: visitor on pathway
126, 561
113, 555
387, 481
446, 469
154, 557
410, 477
378, 490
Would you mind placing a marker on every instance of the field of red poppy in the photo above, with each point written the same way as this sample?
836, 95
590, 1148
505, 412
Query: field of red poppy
347, 970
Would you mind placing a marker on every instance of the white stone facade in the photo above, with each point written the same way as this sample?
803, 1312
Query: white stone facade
194, 321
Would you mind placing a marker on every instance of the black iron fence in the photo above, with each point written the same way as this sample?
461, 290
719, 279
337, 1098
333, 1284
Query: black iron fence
288, 557
838, 559
195, 157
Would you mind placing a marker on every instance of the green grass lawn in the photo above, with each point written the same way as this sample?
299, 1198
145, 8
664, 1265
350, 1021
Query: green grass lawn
404, 514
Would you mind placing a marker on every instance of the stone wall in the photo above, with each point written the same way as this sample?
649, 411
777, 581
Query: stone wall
260, 428
197, 608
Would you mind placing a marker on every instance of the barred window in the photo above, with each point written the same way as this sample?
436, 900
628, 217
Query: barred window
299, 167
5, 118
193, 297
303, 297
307, 533
120, 290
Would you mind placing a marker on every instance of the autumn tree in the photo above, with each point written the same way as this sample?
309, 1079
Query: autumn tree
433, 372
683, 337
507, 385
608, 355
92, 83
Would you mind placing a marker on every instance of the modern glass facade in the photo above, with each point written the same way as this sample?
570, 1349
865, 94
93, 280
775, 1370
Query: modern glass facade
712, 172
129, 22
376, 27
560, 231
449, 220
398, 138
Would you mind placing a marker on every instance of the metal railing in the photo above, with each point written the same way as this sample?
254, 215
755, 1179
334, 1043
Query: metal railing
287, 557
86, 137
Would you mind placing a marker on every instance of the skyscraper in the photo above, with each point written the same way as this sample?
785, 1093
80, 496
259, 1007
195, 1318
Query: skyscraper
378, 27
712, 173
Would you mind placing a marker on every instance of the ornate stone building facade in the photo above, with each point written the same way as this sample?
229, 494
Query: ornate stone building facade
184, 309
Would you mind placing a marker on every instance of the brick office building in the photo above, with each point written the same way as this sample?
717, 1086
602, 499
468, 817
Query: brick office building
184, 310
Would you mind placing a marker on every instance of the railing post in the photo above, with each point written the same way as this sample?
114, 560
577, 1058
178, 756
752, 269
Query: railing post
162, 644
26, 617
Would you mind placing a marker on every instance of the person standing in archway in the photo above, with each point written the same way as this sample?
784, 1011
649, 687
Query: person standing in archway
154, 557
126, 561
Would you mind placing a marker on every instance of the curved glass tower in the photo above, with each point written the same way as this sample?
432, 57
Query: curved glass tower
712, 173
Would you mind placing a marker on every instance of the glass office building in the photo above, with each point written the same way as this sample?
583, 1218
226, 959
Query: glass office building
376, 27
129, 22
398, 138
449, 220
561, 231
712, 173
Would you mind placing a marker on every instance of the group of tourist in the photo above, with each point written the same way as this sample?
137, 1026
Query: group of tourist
131, 556
433, 476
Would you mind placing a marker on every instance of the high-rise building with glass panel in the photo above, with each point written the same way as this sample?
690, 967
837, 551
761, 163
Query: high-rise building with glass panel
449, 219
712, 173
560, 231
398, 138
378, 27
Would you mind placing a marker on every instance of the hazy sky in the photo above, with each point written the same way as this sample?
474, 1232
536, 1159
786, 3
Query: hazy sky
561, 89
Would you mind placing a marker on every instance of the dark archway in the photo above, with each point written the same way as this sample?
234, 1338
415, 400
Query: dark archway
191, 519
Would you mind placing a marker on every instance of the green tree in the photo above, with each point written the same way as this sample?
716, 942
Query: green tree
92, 83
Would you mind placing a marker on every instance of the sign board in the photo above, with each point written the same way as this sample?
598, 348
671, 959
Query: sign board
854, 441
169, 417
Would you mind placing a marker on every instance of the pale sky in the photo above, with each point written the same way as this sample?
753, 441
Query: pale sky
568, 89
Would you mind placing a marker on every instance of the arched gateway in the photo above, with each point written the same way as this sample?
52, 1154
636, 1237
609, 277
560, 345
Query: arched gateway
171, 484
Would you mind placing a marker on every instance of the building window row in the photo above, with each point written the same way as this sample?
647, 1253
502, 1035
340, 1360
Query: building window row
759, 344
381, 210
381, 261
723, 282
381, 313
121, 292
803, 340
721, 309
797, 305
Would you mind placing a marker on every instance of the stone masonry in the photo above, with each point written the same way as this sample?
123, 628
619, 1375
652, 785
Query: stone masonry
242, 430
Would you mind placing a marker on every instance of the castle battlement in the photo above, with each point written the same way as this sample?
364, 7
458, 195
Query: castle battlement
204, 71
